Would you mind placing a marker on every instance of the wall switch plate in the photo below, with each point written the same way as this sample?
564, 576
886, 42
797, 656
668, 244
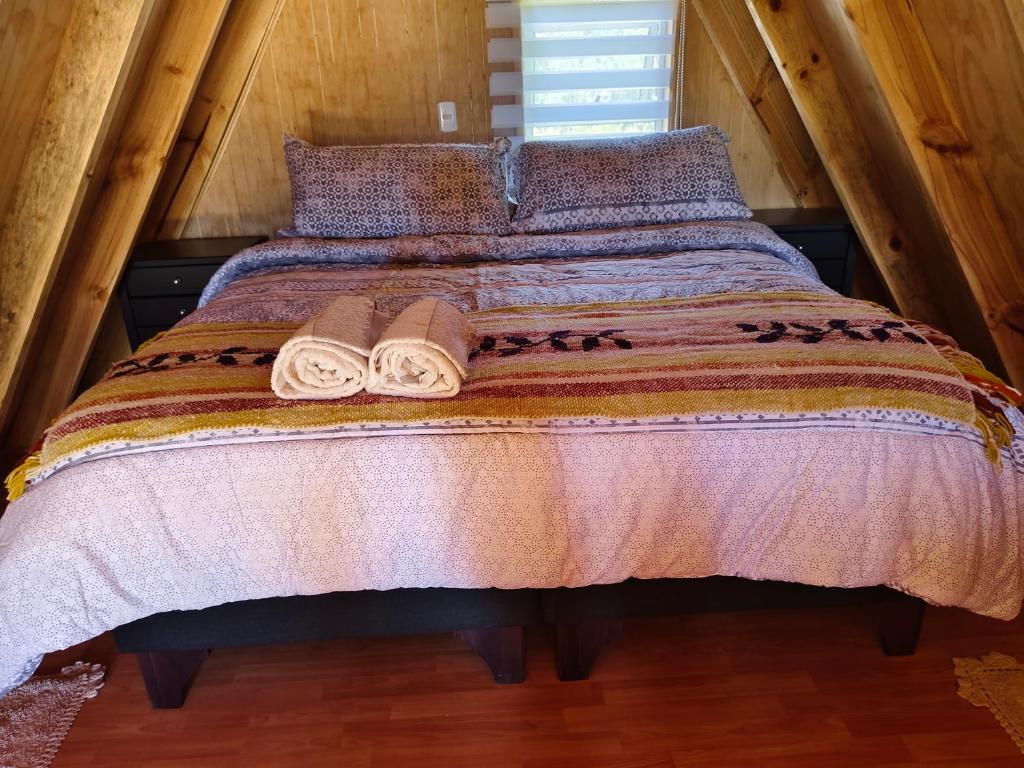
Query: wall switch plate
447, 120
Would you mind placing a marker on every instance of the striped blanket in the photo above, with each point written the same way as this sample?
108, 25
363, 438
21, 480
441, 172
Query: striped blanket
691, 339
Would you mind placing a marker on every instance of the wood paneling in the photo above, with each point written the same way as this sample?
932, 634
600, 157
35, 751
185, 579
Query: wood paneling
774, 688
92, 64
89, 278
753, 73
710, 97
346, 71
30, 35
371, 71
226, 80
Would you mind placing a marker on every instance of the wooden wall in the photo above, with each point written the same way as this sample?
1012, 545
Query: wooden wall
709, 96
346, 71
371, 71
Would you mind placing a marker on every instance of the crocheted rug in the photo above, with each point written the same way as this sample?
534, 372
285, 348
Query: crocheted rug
35, 717
995, 681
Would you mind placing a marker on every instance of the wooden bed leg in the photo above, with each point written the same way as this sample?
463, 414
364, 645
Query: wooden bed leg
503, 648
900, 621
578, 644
169, 674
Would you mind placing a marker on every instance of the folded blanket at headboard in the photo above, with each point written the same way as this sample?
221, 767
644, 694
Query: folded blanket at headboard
468, 249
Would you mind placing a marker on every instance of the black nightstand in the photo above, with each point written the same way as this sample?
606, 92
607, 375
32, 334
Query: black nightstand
164, 279
823, 235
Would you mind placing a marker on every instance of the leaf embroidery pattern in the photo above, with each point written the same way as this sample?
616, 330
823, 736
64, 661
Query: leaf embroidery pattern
165, 361
812, 334
562, 341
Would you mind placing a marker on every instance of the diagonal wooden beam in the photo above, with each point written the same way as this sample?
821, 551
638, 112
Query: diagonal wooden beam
896, 63
747, 60
91, 272
905, 251
208, 124
93, 62
1015, 12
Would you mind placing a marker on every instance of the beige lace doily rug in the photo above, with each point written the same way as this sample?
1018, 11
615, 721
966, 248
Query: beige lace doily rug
995, 681
35, 717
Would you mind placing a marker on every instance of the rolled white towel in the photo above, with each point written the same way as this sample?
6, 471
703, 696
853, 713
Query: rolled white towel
327, 358
423, 353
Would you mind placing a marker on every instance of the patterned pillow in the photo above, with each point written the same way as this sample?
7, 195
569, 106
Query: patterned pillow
397, 189
685, 175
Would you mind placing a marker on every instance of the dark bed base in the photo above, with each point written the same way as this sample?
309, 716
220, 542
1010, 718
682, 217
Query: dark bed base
172, 646
586, 618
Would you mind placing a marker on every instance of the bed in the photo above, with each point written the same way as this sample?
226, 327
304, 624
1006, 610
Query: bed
652, 404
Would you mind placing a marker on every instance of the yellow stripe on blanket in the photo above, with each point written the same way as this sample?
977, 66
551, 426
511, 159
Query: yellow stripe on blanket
786, 357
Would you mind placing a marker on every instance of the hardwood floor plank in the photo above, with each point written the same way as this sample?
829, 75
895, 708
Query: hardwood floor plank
973, 744
773, 688
769, 750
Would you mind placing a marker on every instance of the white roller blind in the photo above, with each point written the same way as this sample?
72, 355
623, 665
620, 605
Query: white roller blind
581, 68
596, 68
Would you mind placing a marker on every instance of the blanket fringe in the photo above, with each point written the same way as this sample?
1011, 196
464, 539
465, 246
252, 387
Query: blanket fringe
989, 393
17, 481
993, 425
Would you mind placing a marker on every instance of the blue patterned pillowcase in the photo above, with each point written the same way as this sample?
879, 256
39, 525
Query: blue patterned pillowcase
684, 175
397, 189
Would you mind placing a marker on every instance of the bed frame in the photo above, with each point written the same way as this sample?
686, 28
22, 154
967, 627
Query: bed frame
586, 618
172, 646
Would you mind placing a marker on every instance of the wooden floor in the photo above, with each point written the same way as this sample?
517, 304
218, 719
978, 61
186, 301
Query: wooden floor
792, 688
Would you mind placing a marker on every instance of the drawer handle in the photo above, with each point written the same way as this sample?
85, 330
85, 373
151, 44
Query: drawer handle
176, 281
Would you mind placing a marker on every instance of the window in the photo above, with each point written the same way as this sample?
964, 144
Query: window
592, 68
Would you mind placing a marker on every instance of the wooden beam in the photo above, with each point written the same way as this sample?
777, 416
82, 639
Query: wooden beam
899, 66
982, 62
30, 35
1015, 12
711, 97
901, 250
88, 78
91, 272
226, 81
754, 74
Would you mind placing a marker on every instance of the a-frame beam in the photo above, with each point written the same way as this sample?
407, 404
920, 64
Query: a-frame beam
225, 82
904, 252
88, 79
753, 73
90, 273
896, 65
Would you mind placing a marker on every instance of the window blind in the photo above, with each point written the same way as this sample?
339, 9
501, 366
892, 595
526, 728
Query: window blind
588, 68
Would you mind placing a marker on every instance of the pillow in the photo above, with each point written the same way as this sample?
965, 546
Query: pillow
684, 175
397, 189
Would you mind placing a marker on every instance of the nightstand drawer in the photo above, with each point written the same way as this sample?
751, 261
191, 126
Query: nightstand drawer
818, 245
163, 311
164, 279
823, 235
179, 279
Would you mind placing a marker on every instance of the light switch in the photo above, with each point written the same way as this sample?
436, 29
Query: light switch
446, 117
